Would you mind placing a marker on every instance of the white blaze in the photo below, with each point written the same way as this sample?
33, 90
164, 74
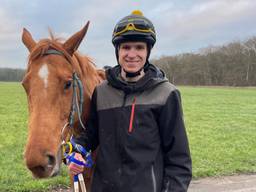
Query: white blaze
43, 74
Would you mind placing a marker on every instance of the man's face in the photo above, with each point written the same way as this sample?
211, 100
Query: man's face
132, 56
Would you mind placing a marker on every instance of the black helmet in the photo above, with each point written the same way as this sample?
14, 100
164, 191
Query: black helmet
134, 27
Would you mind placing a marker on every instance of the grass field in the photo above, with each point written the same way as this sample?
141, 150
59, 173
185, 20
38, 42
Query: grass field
13, 128
221, 125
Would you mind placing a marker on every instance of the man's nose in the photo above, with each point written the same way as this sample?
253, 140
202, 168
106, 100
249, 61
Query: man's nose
132, 53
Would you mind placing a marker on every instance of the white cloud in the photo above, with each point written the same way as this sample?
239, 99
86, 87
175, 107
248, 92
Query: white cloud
181, 25
8, 31
208, 15
203, 22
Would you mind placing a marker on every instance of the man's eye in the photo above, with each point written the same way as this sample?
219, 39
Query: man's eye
67, 85
126, 47
140, 47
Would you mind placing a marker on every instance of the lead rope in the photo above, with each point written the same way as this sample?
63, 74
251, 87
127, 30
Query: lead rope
79, 106
76, 107
70, 158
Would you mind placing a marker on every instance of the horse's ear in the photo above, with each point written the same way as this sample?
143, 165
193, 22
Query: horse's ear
28, 40
74, 41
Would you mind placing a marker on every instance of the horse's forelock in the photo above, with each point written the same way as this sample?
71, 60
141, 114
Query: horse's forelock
54, 38
43, 46
56, 43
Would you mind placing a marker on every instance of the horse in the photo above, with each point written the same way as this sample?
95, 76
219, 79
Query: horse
48, 86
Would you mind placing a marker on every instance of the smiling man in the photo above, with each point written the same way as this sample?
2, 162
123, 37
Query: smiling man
136, 120
132, 57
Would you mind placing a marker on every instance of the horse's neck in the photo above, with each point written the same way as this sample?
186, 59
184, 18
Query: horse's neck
90, 77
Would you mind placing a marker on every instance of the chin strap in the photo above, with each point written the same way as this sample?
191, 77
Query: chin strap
137, 73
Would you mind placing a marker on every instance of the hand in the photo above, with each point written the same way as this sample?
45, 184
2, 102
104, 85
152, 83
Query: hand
75, 169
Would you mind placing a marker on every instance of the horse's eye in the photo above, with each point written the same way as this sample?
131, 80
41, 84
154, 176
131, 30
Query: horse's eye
67, 84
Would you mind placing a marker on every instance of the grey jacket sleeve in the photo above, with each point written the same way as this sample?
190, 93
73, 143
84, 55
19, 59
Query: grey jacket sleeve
89, 137
177, 160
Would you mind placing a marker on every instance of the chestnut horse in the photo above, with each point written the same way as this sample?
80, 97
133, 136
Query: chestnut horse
48, 85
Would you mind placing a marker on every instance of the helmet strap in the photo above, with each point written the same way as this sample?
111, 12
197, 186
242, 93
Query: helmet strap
135, 74
149, 47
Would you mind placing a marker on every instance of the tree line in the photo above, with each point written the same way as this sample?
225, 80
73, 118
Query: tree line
233, 64
8, 74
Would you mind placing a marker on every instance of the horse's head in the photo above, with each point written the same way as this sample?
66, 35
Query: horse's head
48, 85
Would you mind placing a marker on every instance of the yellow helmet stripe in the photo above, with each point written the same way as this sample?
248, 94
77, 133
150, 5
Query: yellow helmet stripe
131, 27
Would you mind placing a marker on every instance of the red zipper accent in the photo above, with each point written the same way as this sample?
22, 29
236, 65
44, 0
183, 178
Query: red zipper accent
132, 116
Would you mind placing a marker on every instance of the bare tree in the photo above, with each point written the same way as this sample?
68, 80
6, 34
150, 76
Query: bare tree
233, 64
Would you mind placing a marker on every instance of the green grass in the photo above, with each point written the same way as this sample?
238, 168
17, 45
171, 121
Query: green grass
221, 125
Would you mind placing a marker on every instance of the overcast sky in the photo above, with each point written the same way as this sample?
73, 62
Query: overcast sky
181, 25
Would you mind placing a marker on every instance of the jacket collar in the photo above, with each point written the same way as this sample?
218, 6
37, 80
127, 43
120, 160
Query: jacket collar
152, 77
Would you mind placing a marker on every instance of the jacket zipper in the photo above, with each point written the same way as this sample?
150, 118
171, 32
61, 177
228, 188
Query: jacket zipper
153, 178
132, 116
124, 100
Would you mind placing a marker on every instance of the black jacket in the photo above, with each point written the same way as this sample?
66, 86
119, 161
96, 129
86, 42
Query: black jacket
140, 132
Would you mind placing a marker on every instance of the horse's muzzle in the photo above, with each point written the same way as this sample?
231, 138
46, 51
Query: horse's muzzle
47, 165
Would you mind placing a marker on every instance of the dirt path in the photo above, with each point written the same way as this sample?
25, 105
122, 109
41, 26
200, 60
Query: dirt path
237, 183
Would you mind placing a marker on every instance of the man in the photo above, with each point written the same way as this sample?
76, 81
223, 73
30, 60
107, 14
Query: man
136, 120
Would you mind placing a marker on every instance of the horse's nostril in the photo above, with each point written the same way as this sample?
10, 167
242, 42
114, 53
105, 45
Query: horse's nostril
38, 171
51, 160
